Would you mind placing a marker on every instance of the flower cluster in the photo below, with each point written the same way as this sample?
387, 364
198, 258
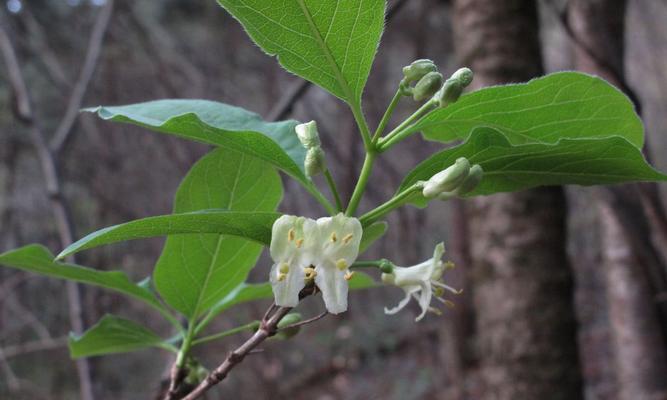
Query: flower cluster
320, 251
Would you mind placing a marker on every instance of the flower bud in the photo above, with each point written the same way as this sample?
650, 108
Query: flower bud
427, 86
448, 179
289, 319
418, 69
453, 87
472, 181
314, 163
307, 134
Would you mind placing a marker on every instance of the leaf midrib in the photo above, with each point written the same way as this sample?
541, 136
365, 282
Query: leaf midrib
327, 53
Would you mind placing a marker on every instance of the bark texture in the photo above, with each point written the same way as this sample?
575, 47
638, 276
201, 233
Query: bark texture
636, 338
521, 277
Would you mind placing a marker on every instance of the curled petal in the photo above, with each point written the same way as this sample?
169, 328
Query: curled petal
401, 305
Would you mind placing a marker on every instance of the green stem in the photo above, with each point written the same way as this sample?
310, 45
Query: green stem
320, 198
401, 131
247, 327
368, 264
334, 189
185, 346
363, 126
365, 173
390, 205
387, 116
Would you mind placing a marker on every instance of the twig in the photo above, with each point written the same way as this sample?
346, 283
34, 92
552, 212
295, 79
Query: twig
89, 65
305, 322
267, 329
25, 114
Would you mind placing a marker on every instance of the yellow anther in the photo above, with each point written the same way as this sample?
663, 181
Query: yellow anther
435, 311
449, 304
347, 238
284, 268
281, 277
310, 273
299, 243
449, 265
333, 237
348, 276
439, 291
290, 234
341, 264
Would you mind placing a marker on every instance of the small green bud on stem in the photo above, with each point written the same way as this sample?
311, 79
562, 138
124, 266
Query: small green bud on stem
427, 86
453, 87
447, 179
418, 69
289, 319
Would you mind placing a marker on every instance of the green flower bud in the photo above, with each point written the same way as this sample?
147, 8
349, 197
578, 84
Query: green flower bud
314, 163
453, 87
307, 134
427, 86
448, 179
472, 181
418, 69
463, 75
195, 372
289, 319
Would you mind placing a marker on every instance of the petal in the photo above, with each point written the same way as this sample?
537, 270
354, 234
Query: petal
282, 247
331, 281
286, 291
340, 237
424, 300
401, 305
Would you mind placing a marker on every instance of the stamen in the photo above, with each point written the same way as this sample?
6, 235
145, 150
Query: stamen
348, 275
449, 265
299, 243
341, 264
333, 237
347, 238
281, 277
284, 268
435, 311
447, 287
310, 274
290, 234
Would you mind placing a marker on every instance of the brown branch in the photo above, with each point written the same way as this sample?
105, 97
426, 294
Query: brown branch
267, 329
25, 114
89, 65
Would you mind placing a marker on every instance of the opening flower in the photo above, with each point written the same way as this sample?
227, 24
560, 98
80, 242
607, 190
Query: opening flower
421, 282
305, 250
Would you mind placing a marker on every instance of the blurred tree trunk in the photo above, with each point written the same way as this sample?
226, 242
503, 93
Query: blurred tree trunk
521, 278
637, 340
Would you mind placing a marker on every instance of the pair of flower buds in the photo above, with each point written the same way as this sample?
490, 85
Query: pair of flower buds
457, 180
429, 83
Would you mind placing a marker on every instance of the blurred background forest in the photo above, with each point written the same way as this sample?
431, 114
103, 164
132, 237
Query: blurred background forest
565, 289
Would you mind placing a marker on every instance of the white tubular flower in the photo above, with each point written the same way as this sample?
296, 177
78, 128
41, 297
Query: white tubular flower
305, 250
420, 282
293, 243
339, 239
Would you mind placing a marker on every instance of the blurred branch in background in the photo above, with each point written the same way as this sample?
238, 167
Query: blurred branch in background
48, 155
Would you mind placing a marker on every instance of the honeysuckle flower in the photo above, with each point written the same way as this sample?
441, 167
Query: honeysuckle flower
305, 250
293, 245
421, 282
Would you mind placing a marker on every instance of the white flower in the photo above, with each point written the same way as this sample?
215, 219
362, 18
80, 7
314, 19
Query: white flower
305, 250
421, 281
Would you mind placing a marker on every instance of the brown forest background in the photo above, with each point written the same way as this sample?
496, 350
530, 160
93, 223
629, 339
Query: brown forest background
565, 289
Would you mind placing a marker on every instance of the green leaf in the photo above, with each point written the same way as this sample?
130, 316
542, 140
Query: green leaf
221, 125
557, 106
569, 161
38, 259
372, 233
250, 225
195, 271
330, 43
113, 334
